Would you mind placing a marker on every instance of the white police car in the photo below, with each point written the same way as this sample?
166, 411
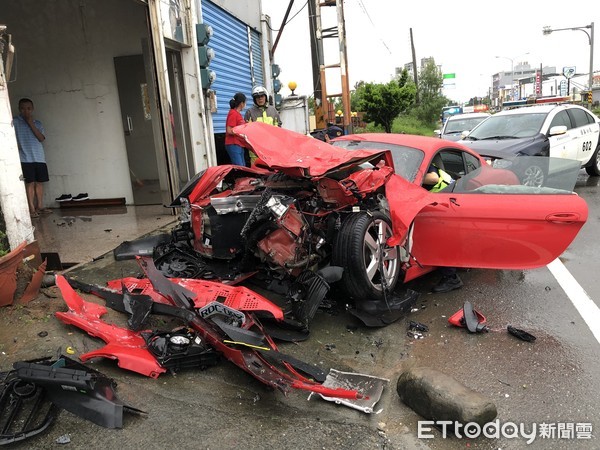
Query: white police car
560, 131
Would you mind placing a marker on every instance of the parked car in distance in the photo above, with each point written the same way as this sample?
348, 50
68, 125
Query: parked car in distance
455, 126
560, 131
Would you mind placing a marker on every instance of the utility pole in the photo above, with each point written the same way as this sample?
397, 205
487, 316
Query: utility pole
316, 50
547, 30
317, 33
414, 61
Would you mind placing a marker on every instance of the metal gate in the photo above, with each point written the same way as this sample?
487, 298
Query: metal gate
232, 63
257, 60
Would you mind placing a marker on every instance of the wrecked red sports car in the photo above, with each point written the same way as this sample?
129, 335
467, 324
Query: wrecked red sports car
311, 217
354, 214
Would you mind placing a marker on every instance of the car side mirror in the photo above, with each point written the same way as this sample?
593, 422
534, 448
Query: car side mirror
438, 132
464, 134
558, 129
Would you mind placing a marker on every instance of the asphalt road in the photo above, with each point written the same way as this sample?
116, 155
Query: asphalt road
554, 380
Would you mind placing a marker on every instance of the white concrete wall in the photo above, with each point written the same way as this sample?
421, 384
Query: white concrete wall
248, 11
13, 199
64, 63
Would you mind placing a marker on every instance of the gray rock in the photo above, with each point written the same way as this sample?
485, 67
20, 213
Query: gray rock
49, 279
437, 396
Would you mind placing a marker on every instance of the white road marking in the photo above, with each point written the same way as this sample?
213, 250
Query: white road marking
588, 310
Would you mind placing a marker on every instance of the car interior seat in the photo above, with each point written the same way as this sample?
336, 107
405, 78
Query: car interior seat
438, 162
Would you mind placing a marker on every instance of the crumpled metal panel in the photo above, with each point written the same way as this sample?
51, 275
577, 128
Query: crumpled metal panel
371, 387
296, 155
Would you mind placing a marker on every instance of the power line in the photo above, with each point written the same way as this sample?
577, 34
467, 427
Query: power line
290, 19
362, 6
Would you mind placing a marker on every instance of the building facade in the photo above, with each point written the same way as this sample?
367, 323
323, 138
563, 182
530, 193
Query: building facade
119, 87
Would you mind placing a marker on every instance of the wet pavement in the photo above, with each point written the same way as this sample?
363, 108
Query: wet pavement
553, 380
79, 235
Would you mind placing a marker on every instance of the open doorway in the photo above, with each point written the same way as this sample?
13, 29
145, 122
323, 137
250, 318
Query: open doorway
182, 149
135, 101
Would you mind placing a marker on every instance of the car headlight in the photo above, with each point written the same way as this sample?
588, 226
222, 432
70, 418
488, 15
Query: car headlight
501, 163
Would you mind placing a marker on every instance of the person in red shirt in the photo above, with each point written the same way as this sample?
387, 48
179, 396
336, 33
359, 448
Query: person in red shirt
234, 144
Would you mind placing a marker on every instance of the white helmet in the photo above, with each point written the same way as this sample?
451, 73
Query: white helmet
258, 91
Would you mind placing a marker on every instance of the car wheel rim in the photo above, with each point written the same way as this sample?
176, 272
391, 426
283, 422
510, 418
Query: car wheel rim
533, 176
380, 260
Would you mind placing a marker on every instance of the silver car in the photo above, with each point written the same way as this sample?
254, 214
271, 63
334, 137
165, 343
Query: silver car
456, 125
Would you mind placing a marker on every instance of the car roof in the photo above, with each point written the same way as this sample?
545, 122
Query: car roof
544, 109
427, 144
468, 116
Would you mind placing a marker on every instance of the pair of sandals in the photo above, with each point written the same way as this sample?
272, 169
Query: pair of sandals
40, 212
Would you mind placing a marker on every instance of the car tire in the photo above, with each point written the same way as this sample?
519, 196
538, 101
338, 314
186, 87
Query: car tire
357, 249
593, 169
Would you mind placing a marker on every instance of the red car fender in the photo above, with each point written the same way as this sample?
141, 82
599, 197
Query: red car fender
406, 200
126, 346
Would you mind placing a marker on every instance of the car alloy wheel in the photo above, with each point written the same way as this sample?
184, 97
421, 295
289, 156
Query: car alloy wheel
370, 265
533, 176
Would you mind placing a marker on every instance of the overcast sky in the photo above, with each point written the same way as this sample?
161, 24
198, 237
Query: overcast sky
463, 36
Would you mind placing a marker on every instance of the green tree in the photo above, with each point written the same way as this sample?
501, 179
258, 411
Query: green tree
430, 88
311, 104
382, 103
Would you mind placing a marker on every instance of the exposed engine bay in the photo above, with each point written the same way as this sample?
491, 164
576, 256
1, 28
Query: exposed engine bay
291, 233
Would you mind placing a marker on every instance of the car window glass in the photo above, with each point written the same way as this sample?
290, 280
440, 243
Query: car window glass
460, 125
562, 118
471, 162
508, 177
580, 117
407, 160
452, 163
515, 125
526, 125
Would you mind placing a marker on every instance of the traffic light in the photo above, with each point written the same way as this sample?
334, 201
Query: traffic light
276, 85
589, 97
277, 99
275, 70
205, 54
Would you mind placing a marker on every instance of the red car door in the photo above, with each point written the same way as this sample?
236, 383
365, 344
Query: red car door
496, 231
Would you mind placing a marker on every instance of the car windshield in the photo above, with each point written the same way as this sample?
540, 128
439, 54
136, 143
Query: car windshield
460, 125
407, 160
508, 126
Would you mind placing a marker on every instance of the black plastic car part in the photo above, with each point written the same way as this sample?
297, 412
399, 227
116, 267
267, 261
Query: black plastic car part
308, 291
472, 321
176, 262
520, 334
180, 349
25, 409
140, 247
32, 395
380, 313
79, 389
418, 326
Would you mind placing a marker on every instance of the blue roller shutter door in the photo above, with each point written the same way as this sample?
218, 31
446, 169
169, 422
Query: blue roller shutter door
232, 61
257, 66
